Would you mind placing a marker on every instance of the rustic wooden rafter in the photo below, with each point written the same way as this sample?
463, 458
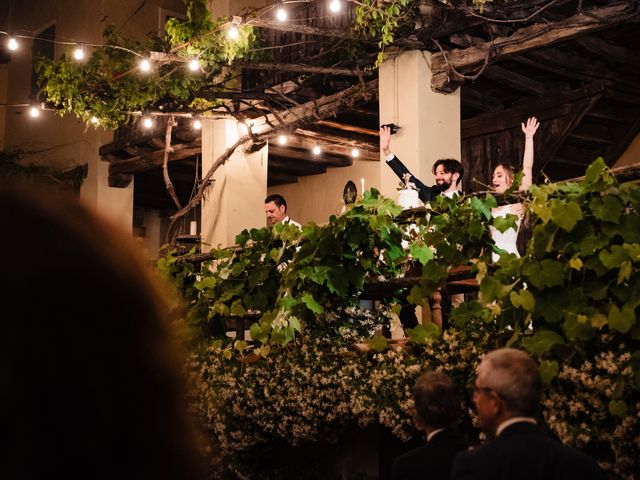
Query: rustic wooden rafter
447, 66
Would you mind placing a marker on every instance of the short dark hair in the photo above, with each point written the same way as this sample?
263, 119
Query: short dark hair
451, 165
277, 199
437, 400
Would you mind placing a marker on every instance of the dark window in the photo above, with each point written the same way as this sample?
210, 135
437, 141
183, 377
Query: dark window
43, 46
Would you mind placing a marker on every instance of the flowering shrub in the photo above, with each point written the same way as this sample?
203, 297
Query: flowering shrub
571, 302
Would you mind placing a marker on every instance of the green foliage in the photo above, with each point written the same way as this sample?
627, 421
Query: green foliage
571, 301
109, 86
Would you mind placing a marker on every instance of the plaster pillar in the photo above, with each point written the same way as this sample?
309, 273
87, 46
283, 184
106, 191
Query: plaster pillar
235, 199
114, 203
429, 121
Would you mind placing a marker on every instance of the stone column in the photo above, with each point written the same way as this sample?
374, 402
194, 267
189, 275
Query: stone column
235, 199
429, 121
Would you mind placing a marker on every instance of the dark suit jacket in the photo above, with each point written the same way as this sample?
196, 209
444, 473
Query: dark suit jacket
523, 452
425, 192
433, 461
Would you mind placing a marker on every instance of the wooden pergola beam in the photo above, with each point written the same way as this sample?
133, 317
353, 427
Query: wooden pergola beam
153, 159
303, 68
445, 64
298, 28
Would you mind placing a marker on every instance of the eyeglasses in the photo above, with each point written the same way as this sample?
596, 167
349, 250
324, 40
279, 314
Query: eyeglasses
472, 389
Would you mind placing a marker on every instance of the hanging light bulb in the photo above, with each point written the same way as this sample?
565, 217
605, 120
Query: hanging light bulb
335, 6
194, 65
281, 15
34, 112
95, 121
316, 150
78, 53
12, 44
147, 122
233, 33
197, 124
282, 139
355, 153
144, 65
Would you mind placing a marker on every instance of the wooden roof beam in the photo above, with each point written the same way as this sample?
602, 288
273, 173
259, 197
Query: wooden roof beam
523, 40
515, 80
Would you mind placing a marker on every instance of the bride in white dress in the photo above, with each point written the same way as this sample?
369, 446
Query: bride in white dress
502, 179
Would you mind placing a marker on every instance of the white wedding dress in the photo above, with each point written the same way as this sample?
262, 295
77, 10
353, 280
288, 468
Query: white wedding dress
506, 240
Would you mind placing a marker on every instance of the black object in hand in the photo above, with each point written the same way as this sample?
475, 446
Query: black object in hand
392, 126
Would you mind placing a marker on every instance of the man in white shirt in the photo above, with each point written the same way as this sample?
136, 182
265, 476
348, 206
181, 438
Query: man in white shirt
506, 394
275, 208
448, 171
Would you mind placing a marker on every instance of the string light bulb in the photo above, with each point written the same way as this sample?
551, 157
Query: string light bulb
355, 153
194, 65
316, 150
34, 112
95, 121
282, 139
335, 6
144, 65
233, 33
12, 44
197, 124
281, 15
78, 53
147, 122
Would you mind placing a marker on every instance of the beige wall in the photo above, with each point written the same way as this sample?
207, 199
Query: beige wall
632, 155
63, 142
429, 121
316, 197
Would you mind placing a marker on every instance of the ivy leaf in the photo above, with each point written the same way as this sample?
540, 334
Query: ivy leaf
549, 370
479, 206
295, 323
565, 214
618, 408
551, 273
378, 343
422, 253
542, 341
626, 269
523, 299
421, 333
595, 170
311, 303
621, 320
576, 263
607, 209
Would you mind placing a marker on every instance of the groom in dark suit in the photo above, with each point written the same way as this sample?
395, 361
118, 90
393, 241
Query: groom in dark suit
437, 411
507, 394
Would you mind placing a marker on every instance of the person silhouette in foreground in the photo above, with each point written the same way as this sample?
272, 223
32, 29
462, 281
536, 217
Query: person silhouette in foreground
437, 412
89, 381
506, 394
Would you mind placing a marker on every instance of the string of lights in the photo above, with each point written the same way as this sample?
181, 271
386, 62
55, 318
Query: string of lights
148, 61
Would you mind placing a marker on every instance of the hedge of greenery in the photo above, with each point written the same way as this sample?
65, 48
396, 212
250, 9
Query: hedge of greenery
571, 301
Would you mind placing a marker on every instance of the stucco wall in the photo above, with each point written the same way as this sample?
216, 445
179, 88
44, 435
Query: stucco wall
316, 197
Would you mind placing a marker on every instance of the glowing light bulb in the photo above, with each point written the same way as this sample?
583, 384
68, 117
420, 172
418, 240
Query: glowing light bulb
12, 44
281, 15
355, 153
95, 120
197, 124
194, 65
316, 150
335, 6
233, 33
282, 139
78, 53
147, 122
145, 65
34, 112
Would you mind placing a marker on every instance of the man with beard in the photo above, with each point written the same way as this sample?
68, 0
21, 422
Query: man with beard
448, 171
